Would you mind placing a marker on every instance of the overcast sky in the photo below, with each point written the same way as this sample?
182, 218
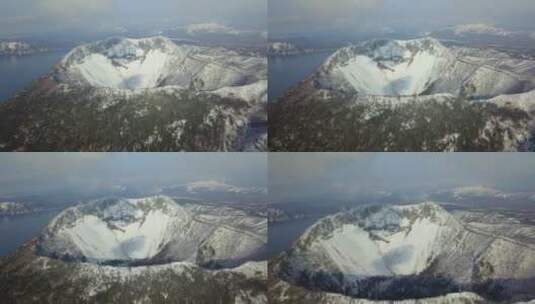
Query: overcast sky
33, 173
35, 16
297, 176
286, 16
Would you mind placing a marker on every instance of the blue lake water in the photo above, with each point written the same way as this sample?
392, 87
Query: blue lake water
16, 73
15, 230
282, 235
287, 71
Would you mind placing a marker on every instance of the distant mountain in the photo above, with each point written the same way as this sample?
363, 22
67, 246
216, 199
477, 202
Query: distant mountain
482, 193
16, 48
473, 30
142, 94
211, 28
404, 253
217, 186
409, 95
480, 28
220, 192
154, 248
283, 49
14, 208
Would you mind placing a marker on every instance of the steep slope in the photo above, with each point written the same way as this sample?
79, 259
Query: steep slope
152, 230
407, 252
148, 250
29, 278
425, 67
156, 62
144, 94
394, 95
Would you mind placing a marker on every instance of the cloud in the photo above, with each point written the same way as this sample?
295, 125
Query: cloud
306, 176
36, 16
25, 173
73, 8
311, 16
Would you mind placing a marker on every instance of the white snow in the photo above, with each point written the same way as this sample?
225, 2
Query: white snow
395, 68
424, 66
142, 229
407, 251
215, 185
480, 28
354, 252
101, 71
141, 239
460, 192
253, 92
211, 28
524, 101
132, 66
405, 78
452, 298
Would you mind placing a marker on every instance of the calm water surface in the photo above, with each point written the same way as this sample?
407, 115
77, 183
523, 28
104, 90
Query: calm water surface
16, 230
16, 73
285, 72
282, 235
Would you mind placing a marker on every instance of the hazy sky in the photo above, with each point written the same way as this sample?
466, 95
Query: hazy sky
29, 16
342, 175
309, 16
32, 173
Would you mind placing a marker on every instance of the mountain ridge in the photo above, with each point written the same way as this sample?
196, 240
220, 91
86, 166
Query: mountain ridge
382, 252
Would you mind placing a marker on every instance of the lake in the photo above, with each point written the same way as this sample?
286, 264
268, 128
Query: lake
16, 73
15, 230
282, 235
287, 71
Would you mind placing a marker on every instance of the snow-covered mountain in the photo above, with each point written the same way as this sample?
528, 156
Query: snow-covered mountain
157, 62
404, 252
219, 191
218, 186
183, 97
480, 28
424, 67
479, 193
416, 87
211, 28
480, 32
14, 208
142, 250
279, 48
17, 48
482, 191
152, 230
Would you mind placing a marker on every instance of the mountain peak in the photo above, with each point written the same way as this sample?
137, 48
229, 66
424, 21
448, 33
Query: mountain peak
157, 62
480, 28
148, 230
386, 67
